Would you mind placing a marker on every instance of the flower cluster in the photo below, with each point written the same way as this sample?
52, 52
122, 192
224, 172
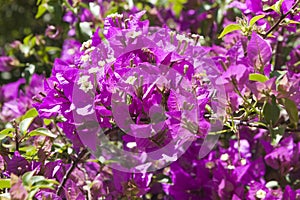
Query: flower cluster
193, 100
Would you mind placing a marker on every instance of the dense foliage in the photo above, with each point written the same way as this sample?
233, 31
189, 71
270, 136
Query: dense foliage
173, 99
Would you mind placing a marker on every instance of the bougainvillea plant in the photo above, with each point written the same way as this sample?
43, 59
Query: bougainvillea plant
153, 100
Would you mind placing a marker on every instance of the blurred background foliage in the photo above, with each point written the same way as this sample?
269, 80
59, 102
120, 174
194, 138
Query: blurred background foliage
22, 37
16, 20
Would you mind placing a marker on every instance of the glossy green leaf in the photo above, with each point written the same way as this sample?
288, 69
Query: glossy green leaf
30, 113
4, 183
36, 179
230, 28
42, 132
6, 133
258, 77
47, 122
24, 124
277, 6
255, 19
26, 178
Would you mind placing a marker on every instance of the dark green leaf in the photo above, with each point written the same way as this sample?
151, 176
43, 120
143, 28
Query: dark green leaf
292, 110
271, 112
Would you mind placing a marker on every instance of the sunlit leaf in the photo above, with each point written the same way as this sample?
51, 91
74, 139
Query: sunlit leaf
4, 183
258, 77
24, 124
255, 19
6, 133
42, 132
230, 28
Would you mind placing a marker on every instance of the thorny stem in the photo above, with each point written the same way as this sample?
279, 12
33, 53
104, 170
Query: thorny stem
282, 17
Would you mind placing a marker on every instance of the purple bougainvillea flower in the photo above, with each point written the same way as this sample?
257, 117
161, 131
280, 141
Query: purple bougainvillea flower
70, 49
41, 195
254, 6
284, 156
259, 51
17, 190
6, 63
17, 165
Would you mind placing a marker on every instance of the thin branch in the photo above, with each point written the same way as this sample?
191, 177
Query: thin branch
70, 170
16, 135
282, 17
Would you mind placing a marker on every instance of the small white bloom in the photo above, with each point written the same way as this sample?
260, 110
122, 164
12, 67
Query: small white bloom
210, 165
86, 86
71, 51
224, 157
87, 110
93, 70
130, 80
243, 161
111, 59
86, 45
261, 194
131, 145
83, 79
101, 63
134, 34
115, 15
231, 167
85, 58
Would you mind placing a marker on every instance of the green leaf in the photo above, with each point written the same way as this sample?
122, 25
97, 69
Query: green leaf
52, 49
4, 183
177, 5
230, 28
24, 124
258, 78
47, 122
289, 21
271, 112
42, 132
26, 40
161, 178
41, 180
292, 110
30, 113
277, 7
27, 178
41, 10
36, 179
272, 184
255, 19
6, 133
